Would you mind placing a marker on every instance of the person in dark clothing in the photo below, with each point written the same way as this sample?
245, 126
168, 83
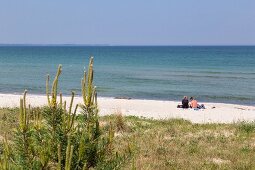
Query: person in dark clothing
185, 102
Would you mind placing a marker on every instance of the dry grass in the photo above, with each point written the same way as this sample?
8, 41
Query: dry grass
119, 121
8, 121
173, 144
179, 144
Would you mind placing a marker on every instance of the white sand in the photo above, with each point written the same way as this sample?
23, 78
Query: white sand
222, 113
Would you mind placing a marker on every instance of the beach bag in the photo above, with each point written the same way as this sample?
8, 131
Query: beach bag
202, 106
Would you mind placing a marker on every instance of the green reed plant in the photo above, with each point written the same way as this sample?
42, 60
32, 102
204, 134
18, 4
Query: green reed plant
5, 159
55, 137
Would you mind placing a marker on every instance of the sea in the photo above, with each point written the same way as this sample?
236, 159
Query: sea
222, 74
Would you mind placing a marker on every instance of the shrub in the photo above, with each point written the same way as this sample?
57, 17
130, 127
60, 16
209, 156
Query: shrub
119, 122
247, 127
54, 137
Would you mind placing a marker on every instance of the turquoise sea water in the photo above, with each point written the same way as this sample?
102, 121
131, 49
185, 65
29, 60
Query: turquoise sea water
211, 74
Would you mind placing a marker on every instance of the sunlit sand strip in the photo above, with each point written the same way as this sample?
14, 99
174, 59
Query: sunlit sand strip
214, 112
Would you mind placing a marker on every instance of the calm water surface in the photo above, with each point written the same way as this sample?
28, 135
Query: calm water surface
211, 74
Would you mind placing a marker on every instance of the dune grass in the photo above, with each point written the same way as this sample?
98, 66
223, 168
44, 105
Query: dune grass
8, 121
179, 144
171, 144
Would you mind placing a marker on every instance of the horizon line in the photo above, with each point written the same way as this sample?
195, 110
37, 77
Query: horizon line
73, 44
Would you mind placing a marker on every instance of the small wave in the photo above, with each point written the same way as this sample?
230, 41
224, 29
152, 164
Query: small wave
238, 98
222, 77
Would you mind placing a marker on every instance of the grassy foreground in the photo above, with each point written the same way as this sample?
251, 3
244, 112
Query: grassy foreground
170, 144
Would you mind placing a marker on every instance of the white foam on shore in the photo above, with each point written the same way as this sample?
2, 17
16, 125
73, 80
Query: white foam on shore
214, 112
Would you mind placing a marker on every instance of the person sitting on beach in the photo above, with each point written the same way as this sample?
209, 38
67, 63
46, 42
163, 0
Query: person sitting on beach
193, 103
185, 102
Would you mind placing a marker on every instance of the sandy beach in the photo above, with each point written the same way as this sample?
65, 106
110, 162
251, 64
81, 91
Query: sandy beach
214, 112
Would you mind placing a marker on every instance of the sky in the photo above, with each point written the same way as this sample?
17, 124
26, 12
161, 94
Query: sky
131, 22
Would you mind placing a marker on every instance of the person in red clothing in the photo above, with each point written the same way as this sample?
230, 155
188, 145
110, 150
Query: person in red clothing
193, 103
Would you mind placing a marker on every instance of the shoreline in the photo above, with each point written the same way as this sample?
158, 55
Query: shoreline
130, 98
155, 109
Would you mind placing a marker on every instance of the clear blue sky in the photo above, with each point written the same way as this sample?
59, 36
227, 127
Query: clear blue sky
130, 22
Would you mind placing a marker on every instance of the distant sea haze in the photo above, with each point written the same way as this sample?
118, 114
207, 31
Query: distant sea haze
209, 73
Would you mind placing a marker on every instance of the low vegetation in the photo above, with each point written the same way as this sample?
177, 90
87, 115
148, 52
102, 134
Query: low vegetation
169, 144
